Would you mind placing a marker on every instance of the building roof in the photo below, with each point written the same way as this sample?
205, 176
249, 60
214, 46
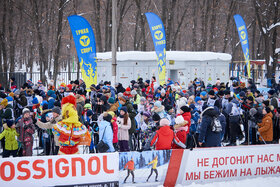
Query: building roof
170, 55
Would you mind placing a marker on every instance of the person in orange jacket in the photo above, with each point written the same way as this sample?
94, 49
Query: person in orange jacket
154, 168
165, 136
130, 169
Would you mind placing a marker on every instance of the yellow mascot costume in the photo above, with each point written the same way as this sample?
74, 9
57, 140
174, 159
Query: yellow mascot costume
69, 130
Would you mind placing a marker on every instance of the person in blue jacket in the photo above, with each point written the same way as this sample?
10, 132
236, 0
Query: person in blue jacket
106, 131
208, 138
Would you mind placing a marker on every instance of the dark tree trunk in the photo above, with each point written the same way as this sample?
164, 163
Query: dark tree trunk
58, 39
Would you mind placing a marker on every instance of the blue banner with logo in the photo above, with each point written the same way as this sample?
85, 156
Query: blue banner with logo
243, 36
158, 34
86, 48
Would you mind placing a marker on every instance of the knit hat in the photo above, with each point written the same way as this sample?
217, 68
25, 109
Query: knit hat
111, 100
4, 102
142, 99
204, 93
127, 89
252, 112
271, 92
242, 94
87, 106
17, 92
267, 109
259, 100
147, 81
50, 92
156, 117
9, 123
221, 93
124, 108
123, 98
147, 114
107, 117
157, 104
185, 109
25, 110
164, 122
250, 98
56, 110
179, 120
211, 92
89, 113
133, 92
197, 98
168, 107
35, 101
266, 102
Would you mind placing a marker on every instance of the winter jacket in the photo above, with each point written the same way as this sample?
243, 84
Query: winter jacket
25, 129
7, 112
160, 111
106, 134
266, 128
123, 129
80, 107
129, 165
10, 140
164, 137
22, 101
115, 130
49, 125
132, 114
154, 162
187, 117
210, 138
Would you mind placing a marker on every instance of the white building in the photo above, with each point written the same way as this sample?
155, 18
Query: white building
181, 66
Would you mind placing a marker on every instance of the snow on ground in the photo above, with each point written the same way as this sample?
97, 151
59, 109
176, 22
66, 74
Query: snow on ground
256, 182
141, 176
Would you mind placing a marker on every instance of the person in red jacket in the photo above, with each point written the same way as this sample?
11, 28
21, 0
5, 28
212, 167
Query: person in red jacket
115, 129
183, 123
127, 93
165, 136
130, 169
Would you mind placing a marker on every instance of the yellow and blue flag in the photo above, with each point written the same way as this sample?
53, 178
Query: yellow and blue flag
86, 48
243, 36
158, 34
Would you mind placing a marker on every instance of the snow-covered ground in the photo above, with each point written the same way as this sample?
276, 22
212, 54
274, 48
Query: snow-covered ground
256, 182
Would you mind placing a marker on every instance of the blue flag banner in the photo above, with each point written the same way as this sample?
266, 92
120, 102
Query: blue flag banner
158, 35
243, 36
86, 48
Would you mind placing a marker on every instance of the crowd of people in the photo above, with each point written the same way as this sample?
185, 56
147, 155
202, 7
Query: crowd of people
143, 116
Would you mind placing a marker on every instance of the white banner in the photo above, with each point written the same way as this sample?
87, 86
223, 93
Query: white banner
68, 170
207, 165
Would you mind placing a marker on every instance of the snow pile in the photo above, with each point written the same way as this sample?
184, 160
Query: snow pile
256, 182
170, 55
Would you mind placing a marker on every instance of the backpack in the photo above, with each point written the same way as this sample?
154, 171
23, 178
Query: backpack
216, 125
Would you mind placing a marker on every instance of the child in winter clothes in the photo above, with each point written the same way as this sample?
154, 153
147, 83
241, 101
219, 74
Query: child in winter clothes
124, 124
146, 126
11, 144
181, 129
26, 129
164, 137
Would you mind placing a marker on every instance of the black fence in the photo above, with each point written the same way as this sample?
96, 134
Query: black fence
22, 77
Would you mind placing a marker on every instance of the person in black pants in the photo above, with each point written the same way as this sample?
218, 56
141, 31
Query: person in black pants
130, 170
